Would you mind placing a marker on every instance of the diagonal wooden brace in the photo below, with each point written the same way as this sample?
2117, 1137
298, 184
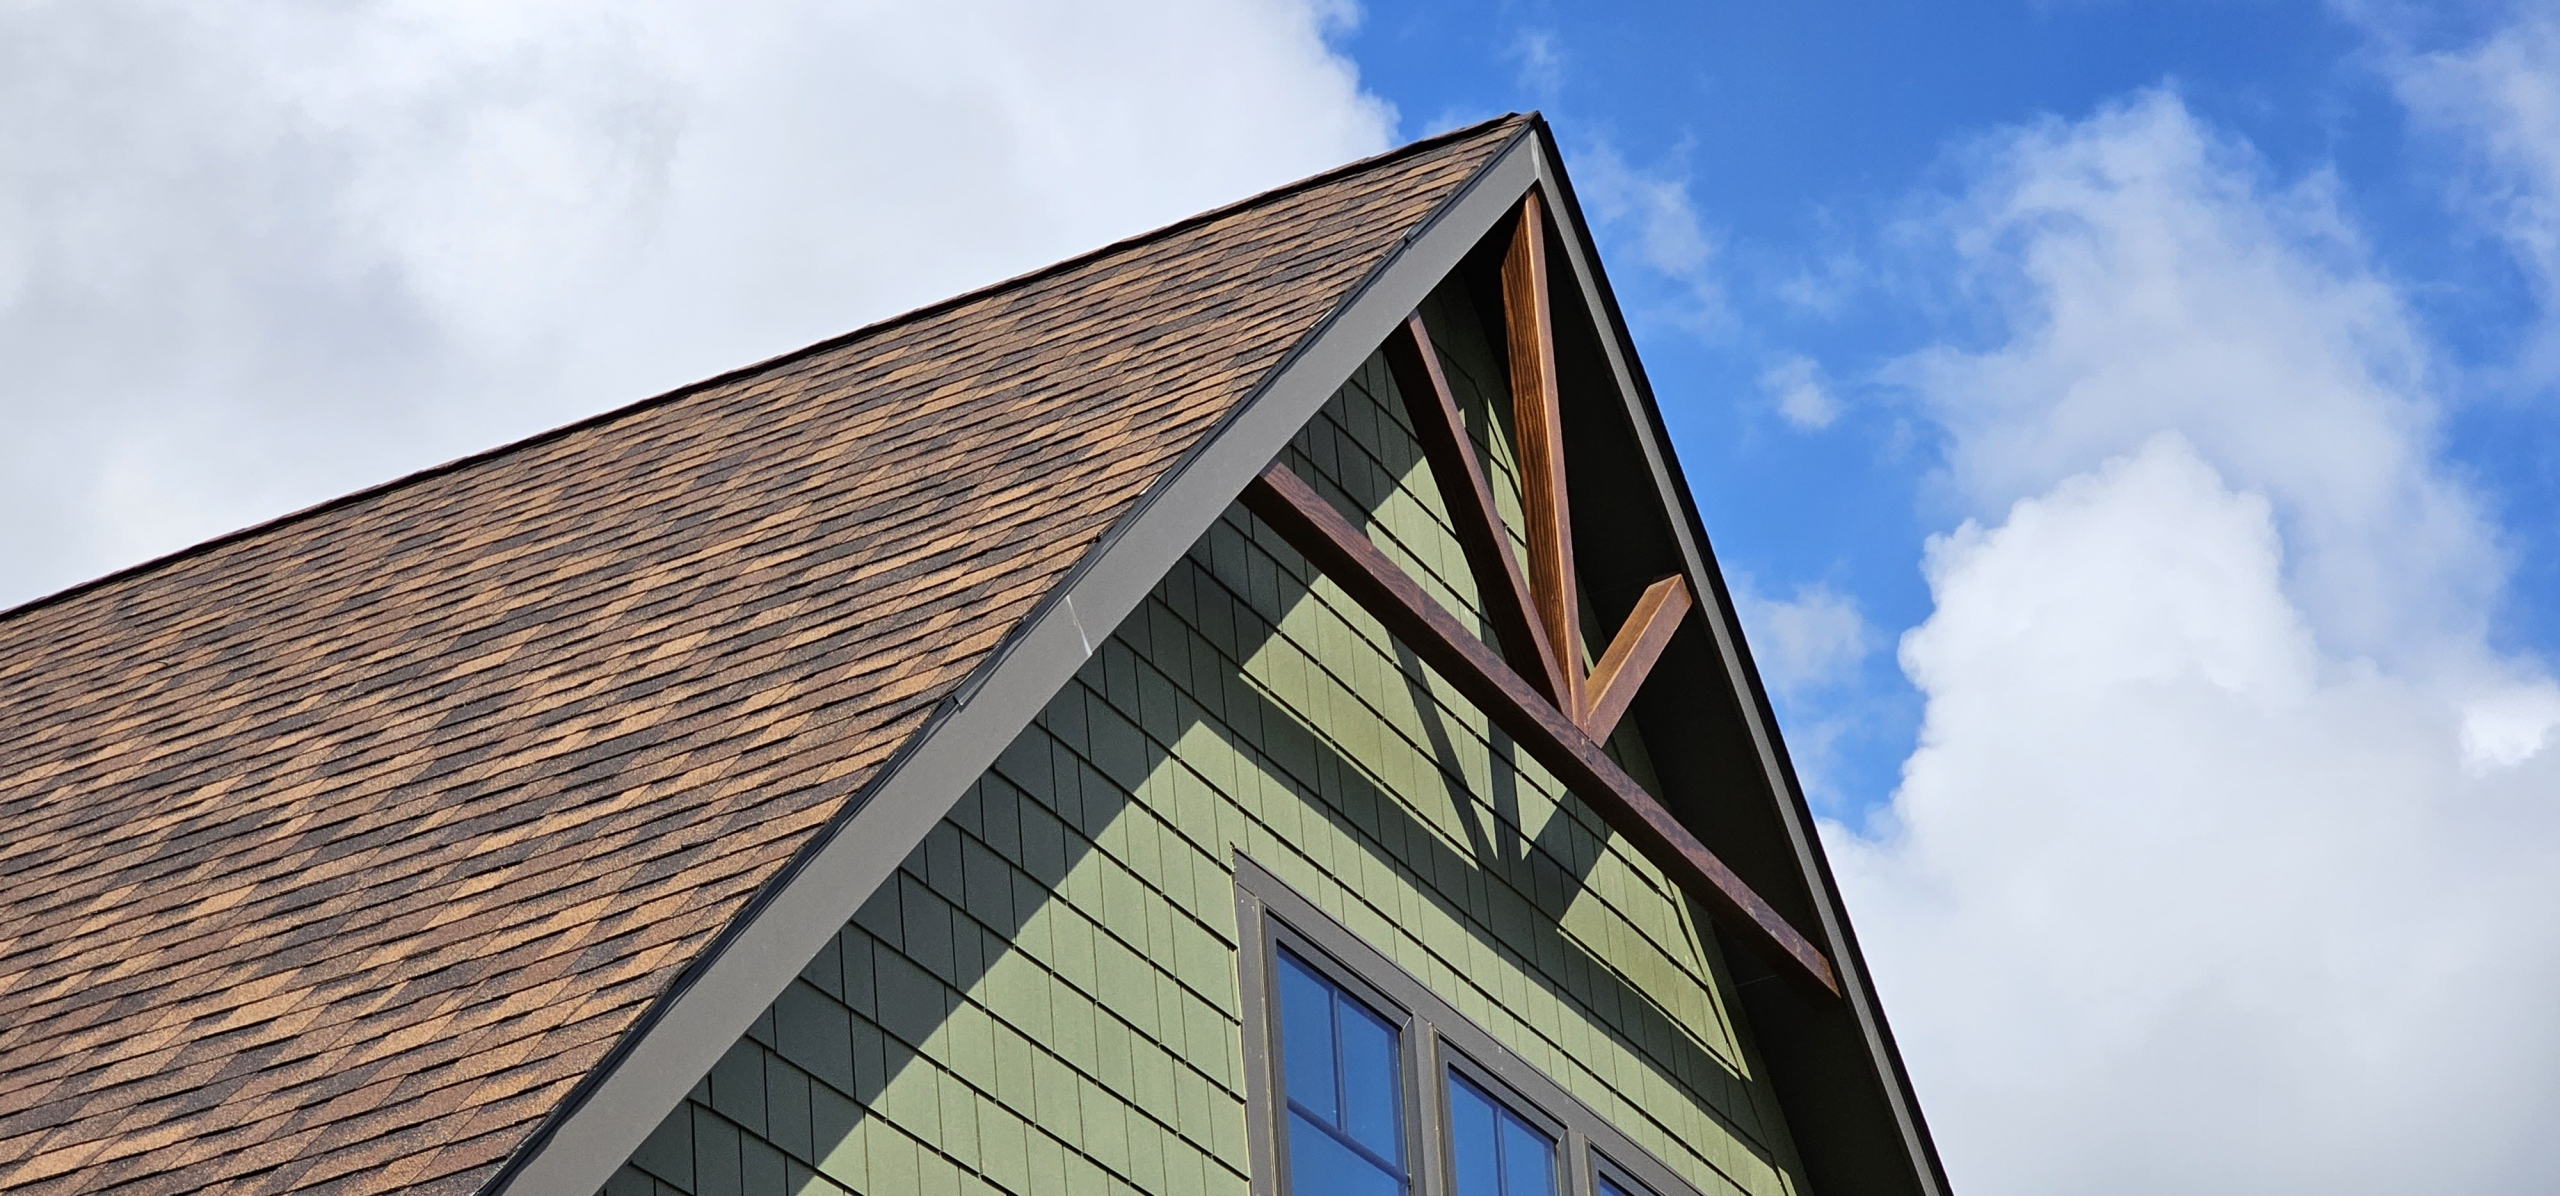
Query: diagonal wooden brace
1334, 546
1500, 586
1630, 657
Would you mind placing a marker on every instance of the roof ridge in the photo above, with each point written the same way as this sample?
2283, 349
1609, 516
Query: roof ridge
611, 415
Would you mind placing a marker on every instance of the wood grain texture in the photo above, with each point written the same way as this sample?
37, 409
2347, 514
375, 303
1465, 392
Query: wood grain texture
1631, 655
1538, 423
1338, 550
332, 854
1500, 586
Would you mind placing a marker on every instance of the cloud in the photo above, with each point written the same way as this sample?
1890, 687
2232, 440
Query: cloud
1539, 57
1814, 640
2499, 102
2223, 863
250, 262
2151, 277
2506, 727
1822, 285
1809, 649
1801, 394
1651, 210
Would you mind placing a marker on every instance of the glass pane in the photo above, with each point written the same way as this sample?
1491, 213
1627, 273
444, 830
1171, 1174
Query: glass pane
1528, 1159
1306, 1039
1493, 1151
1320, 1165
1611, 1187
1372, 1105
1472, 1141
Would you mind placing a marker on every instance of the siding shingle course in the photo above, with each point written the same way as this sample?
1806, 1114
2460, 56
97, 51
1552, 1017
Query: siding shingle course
1247, 704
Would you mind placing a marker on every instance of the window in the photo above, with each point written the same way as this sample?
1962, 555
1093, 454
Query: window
1493, 1151
1610, 1179
1360, 1081
1344, 1087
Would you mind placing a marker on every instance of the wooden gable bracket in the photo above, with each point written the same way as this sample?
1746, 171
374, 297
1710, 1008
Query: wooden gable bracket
1535, 689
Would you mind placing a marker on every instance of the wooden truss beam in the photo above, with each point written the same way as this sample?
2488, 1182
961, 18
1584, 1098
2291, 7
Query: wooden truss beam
1640, 642
1379, 586
1501, 589
1538, 425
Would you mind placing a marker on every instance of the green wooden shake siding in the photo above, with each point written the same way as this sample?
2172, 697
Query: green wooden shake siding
1044, 999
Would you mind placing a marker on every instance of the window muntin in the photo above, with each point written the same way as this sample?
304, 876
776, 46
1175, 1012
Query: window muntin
1493, 1150
1343, 1082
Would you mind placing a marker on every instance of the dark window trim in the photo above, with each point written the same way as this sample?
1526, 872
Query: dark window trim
1603, 1165
1572, 1145
1436, 1039
1409, 1030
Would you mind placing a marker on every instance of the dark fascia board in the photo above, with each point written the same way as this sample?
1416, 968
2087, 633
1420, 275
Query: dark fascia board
687, 1029
1704, 578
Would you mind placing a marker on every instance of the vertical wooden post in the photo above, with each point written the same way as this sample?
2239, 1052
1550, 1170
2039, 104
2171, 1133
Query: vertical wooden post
1539, 424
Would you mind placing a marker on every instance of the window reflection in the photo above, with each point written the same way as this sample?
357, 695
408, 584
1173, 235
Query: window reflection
1493, 1151
1339, 1066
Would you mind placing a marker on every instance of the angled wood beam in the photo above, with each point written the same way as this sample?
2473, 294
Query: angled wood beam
1463, 489
1639, 643
1327, 540
1538, 423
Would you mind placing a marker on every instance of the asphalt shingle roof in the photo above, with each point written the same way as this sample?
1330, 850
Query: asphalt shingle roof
334, 853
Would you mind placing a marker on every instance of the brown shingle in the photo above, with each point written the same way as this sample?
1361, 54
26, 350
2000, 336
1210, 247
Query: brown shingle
333, 853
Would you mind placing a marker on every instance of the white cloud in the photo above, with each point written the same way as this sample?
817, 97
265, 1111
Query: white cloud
1653, 210
2225, 862
1822, 285
1801, 394
1816, 639
1809, 648
1540, 59
250, 261
2499, 101
2152, 279
2506, 727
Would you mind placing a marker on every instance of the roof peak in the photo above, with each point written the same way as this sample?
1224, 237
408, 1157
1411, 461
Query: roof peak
599, 419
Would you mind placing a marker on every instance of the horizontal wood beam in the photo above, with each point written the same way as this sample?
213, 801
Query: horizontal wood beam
1329, 542
1500, 586
1640, 642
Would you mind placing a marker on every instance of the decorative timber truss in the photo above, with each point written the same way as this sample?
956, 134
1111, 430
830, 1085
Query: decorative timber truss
1535, 689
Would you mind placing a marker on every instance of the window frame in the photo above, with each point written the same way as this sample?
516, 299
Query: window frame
1604, 1167
1571, 1145
1433, 1041
1317, 959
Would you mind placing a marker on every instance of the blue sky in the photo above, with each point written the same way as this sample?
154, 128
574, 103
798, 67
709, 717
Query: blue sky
2131, 428
1799, 138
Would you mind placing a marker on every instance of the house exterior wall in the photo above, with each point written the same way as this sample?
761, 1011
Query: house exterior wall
1045, 997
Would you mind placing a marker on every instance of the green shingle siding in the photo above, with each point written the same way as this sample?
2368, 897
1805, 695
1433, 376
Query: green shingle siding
1044, 998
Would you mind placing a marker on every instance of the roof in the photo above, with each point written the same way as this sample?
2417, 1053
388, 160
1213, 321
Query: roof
335, 853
